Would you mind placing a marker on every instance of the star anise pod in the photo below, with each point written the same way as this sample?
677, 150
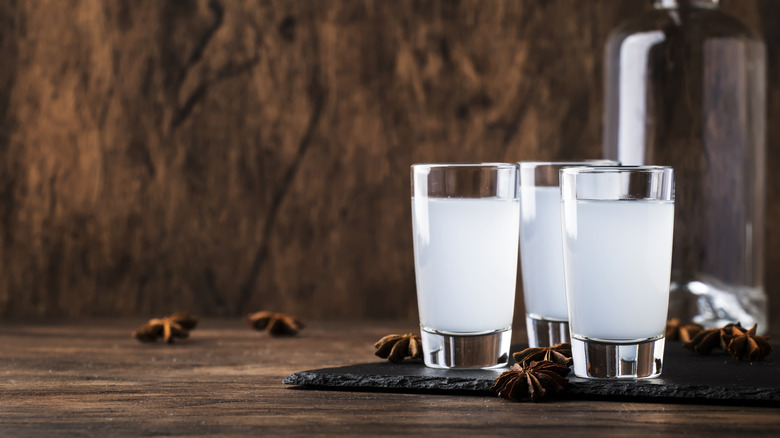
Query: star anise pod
534, 381
676, 331
745, 344
169, 327
560, 354
276, 324
707, 340
670, 331
727, 332
396, 347
704, 342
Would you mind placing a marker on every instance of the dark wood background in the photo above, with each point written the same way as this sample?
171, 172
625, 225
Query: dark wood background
223, 156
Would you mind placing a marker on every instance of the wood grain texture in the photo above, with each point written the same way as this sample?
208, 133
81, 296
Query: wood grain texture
89, 378
223, 156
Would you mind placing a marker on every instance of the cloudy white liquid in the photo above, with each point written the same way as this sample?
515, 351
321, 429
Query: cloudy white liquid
541, 252
617, 258
465, 254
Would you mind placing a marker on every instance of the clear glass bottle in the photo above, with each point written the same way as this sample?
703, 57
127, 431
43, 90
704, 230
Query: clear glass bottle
685, 87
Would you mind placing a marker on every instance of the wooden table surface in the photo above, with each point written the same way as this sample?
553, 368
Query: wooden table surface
90, 378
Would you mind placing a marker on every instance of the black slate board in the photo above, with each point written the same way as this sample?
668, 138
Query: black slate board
716, 378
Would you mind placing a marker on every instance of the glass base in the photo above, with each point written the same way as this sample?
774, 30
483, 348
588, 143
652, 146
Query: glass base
604, 360
546, 333
447, 350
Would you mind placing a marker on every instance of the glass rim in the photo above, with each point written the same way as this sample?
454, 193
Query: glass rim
615, 169
581, 163
495, 165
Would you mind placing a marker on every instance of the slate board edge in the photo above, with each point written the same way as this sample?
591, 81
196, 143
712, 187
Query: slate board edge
578, 388
319, 378
650, 392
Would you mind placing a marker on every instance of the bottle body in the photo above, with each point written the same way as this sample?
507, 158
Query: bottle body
685, 87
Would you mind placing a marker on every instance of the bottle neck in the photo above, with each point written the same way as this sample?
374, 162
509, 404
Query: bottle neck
676, 4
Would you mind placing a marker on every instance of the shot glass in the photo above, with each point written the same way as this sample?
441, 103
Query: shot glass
541, 250
464, 219
617, 251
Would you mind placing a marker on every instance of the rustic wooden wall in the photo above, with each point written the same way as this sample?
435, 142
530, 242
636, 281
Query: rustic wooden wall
225, 156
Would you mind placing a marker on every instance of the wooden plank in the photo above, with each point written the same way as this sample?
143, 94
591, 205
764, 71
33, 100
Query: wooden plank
90, 377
